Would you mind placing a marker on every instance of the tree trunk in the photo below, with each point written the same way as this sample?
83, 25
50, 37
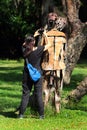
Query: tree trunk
77, 35
79, 92
77, 39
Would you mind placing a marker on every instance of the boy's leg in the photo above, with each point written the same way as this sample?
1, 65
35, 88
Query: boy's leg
26, 86
39, 98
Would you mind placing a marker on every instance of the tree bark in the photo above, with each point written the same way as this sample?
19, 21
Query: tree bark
79, 92
77, 32
77, 39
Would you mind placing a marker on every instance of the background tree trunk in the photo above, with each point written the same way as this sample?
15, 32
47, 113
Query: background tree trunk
77, 39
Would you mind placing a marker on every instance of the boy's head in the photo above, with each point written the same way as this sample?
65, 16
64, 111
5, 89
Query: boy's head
28, 44
29, 39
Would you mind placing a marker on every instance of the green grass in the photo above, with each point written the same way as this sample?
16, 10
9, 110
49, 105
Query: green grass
71, 118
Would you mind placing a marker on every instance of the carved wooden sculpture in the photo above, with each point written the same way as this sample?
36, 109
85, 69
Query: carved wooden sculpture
53, 62
53, 65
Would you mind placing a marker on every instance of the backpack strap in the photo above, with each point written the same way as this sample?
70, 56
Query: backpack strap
26, 60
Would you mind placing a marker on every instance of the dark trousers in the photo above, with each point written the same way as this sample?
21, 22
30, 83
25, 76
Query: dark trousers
27, 85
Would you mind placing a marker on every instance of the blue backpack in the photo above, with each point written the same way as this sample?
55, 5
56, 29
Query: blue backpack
33, 72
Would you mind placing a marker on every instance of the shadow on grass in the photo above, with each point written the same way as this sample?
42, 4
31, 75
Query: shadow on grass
75, 80
8, 74
9, 114
81, 106
7, 109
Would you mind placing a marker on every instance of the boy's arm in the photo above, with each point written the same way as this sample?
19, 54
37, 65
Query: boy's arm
47, 46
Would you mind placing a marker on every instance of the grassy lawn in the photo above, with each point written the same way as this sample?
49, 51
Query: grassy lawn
70, 118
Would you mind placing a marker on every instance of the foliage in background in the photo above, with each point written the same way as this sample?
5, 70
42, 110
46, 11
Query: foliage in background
17, 18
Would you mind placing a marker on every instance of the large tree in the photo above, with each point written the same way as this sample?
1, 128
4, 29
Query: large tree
77, 34
77, 38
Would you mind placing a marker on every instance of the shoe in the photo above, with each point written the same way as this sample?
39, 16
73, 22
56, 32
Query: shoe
20, 116
41, 117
